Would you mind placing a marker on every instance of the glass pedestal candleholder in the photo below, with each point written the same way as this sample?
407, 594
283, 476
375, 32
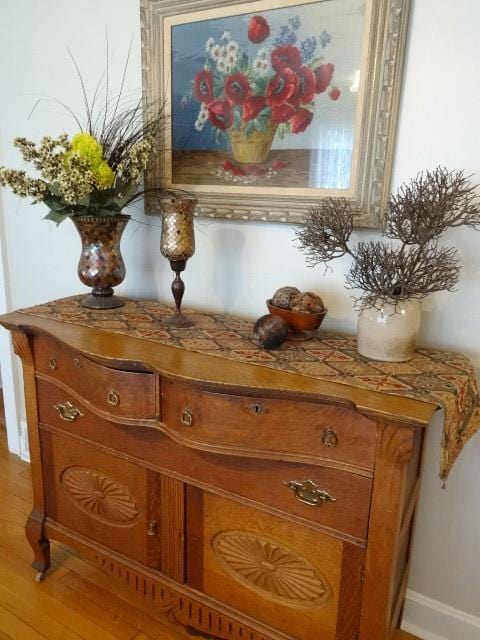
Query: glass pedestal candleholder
177, 244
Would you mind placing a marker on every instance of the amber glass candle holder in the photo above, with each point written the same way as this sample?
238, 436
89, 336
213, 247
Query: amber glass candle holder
177, 244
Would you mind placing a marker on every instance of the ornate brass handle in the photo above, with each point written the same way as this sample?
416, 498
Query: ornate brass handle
152, 528
76, 363
309, 493
68, 411
53, 362
329, 437
187, 418
113, 399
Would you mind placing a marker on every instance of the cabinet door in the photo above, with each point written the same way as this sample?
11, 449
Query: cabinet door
300, 582
120, 505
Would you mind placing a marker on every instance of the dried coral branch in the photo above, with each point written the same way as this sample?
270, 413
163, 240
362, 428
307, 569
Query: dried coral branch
387, 273
420, 212
327, 230
431, 203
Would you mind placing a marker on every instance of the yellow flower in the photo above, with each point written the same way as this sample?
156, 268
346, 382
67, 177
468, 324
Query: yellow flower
104, 175
88, 148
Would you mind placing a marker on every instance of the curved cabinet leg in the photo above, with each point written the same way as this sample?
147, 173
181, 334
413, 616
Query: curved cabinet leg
40, 546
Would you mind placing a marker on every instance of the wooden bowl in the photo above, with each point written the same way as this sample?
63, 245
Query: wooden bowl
298, 321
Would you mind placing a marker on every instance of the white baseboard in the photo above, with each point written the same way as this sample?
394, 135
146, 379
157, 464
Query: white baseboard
24, 451
430, 619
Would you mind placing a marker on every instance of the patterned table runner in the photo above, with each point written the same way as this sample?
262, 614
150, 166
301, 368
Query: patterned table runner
442, 378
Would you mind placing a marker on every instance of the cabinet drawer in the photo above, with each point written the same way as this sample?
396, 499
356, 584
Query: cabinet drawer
259, 481
124, 506
305, 429
119, 393
299, 582
264, 482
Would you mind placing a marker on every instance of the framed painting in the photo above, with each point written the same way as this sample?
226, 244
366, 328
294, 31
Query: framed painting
274, 104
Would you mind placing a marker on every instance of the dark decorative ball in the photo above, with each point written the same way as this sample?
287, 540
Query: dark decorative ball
270, 331
284, 296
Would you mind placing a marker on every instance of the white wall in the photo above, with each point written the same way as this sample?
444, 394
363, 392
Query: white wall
238, 265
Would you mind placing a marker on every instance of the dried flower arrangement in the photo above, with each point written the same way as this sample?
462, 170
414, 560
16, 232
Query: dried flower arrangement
413, 265
98, 171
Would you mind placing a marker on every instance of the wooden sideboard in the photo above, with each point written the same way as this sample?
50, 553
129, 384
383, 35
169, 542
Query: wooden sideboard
245, 502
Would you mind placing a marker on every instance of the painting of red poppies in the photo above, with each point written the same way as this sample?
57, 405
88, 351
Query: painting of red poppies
263, 98
274, 104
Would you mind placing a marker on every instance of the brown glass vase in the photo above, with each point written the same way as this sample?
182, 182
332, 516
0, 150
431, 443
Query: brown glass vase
101, 264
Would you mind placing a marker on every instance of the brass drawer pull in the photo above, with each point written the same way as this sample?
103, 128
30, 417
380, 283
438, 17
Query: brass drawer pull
76, 363
68, 411
329, 437
309, 493
53, 362
257, 409
152, 528
113, 399
187, 418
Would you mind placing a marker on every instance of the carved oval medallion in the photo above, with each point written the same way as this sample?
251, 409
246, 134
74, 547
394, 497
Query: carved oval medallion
100, 496
266, 566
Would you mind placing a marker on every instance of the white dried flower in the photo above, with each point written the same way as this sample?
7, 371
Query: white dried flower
222, 66
233, 48
264, 53
210, 43
216, 52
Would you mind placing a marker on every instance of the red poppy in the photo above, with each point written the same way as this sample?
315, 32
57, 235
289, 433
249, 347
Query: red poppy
300, 121
254, 170
323, 77
228, 165
279, 164
203, 87
237, 88
306, 84
252, 107
283, 113
334, 93
281, 87
288, 56
258, 29
220, 114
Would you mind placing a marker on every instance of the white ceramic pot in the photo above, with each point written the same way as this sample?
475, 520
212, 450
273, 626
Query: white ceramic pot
389, 334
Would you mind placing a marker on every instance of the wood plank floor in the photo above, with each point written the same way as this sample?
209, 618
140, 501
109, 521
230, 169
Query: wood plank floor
76, 601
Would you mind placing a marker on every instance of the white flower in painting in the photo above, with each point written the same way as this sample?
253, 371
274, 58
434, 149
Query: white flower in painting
233, 47
222, 66
217, 52
210, 43
226, 35
231, 60
262, 67
266, 68
228, 68
202, 114
264, 53
199, 125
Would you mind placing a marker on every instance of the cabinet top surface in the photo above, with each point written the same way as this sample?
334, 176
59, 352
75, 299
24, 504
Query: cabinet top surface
218, 351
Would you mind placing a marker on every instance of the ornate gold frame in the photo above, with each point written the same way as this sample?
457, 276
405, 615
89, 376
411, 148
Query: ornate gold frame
383, 66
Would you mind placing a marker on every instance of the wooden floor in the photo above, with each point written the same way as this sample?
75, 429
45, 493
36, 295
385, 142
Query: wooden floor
76, 601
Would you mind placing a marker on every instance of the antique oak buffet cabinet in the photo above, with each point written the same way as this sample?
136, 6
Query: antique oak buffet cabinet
245, 502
